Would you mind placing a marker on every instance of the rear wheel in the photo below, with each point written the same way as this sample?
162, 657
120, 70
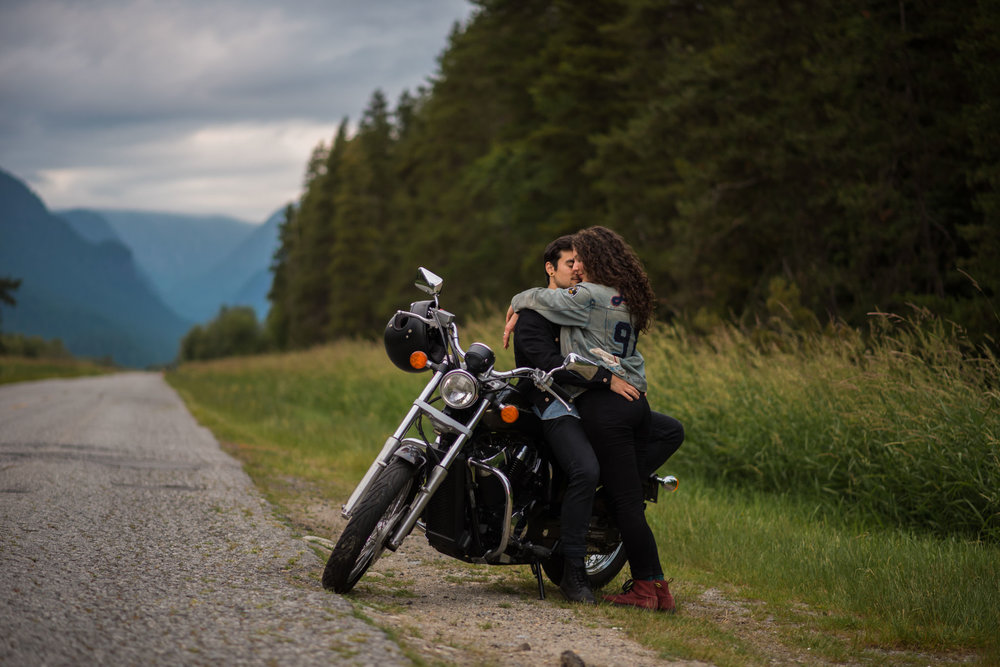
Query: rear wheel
373, 520
602, 568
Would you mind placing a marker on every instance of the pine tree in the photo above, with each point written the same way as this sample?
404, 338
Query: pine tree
362, 224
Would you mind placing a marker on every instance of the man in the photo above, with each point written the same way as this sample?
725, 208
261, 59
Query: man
536, 344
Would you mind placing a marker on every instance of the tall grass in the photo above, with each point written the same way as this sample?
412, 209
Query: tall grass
900, 428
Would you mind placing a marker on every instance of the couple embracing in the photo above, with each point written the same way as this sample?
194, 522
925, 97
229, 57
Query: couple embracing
597, 301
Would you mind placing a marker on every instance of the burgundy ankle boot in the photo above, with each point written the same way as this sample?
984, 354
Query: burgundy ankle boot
637, 593
665, 601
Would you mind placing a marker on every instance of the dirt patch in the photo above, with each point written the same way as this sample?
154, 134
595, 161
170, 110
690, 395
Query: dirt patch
446, 611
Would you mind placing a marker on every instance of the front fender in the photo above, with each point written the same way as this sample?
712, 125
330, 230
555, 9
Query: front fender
411, 453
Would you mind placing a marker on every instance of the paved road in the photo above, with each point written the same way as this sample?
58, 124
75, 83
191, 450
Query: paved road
128, 537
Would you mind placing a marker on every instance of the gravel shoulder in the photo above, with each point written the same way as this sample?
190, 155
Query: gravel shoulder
128, 537
445, 611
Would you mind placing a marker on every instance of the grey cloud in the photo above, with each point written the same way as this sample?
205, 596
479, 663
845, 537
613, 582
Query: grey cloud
198, 58
83, 84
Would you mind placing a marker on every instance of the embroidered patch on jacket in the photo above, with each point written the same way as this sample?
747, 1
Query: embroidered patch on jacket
617, 300
573, 290
613, 362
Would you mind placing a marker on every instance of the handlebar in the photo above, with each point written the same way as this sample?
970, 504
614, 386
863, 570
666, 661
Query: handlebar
542, 379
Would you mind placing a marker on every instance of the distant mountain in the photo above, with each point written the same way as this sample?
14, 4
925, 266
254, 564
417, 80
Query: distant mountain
90, 225
171, 247
94, 228
196, 264
90, 295
241, 278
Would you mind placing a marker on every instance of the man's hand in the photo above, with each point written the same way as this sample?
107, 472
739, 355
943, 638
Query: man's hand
511, 321
620, 386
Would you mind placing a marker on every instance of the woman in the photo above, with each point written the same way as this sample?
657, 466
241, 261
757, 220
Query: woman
602, 317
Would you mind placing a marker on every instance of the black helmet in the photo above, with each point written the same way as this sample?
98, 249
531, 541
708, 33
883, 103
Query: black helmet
405, 335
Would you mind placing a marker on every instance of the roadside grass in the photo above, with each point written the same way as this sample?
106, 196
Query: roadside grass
318, 416
802, 530
26, 369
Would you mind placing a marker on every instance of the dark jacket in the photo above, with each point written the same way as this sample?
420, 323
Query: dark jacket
536, 344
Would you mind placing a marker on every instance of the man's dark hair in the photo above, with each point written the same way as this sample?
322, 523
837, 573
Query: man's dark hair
554, 250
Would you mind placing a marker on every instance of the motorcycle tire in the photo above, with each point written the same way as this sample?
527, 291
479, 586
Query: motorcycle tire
373, 520
601, 568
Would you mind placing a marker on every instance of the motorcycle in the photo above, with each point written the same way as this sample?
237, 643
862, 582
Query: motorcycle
485, 489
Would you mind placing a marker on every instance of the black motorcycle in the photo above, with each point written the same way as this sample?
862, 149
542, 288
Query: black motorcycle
481, 483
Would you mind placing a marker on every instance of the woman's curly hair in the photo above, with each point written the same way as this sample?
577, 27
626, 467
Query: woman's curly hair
609, 260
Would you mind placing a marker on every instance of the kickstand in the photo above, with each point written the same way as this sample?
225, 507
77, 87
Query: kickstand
536, 569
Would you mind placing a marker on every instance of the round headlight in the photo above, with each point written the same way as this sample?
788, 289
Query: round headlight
459, 389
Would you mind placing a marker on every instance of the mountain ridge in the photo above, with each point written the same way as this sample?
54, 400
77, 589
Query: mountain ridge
90, 295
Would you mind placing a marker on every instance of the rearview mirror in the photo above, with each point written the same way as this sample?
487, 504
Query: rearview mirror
429, 282
582, 366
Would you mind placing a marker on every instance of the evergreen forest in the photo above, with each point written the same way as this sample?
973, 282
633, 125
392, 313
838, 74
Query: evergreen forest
832, 157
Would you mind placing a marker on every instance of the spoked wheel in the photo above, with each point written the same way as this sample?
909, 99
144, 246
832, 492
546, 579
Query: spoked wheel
374, 519
602, 568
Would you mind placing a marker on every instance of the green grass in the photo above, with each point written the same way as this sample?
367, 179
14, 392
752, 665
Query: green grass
24, 369
862, 587
319, 415
838, 494
902, 429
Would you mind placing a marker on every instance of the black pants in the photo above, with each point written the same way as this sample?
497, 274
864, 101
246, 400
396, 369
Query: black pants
618, 429
666, 436
576, 458
569, 443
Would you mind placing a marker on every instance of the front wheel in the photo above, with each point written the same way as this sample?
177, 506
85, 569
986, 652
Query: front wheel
374, 518
602, 568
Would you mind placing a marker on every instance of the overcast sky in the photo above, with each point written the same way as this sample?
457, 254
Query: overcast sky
197, 106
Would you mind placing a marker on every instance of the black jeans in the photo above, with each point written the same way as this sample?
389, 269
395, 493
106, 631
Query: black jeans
666, 436
618, 429
576, 458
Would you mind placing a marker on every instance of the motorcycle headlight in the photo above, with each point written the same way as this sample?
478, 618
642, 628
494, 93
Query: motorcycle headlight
459, 389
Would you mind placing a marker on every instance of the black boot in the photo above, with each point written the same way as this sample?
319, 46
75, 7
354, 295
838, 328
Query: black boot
575, 585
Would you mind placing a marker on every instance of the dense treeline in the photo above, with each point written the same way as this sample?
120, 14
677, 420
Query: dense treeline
842, 154
33, 347
233, 332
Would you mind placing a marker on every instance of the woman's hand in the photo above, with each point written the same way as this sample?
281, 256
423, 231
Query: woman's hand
509, 327
620, 386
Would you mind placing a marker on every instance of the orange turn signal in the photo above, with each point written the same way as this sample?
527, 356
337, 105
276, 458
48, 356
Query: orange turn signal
418, 360
509, 414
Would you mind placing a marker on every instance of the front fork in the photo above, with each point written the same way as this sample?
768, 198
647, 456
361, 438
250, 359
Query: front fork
440, 470
442, 422
390, 446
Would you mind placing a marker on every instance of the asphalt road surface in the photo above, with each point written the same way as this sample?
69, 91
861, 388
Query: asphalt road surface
128, 537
